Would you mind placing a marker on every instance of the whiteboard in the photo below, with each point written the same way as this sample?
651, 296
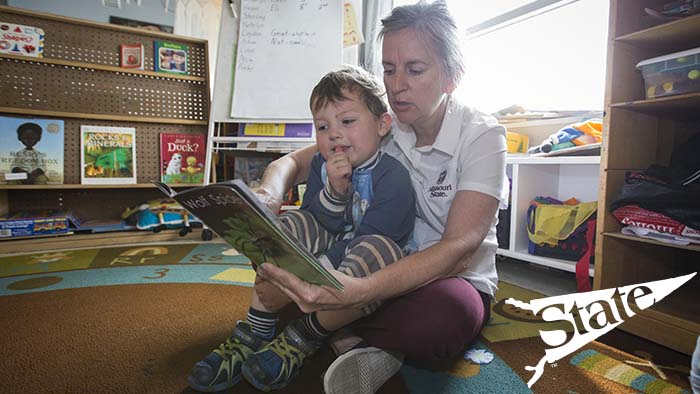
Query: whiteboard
284, 48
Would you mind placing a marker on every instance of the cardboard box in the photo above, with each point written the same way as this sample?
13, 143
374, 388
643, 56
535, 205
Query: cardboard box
32, 224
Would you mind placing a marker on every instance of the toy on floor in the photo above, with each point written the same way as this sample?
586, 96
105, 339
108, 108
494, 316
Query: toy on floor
157, 215
577, 134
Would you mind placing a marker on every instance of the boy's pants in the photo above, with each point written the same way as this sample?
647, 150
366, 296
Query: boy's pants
363, 256
434, 323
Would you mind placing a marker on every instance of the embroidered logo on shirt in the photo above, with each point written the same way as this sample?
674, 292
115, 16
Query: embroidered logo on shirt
440, 190
441, 178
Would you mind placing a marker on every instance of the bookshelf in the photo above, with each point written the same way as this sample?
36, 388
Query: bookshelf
79, 80
639, 132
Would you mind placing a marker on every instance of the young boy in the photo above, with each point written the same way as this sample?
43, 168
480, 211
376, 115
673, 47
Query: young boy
357, 214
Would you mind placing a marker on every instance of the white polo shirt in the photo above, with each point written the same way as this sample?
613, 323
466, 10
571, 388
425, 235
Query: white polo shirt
469, 153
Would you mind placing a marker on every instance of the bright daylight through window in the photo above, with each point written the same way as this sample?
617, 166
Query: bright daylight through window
550, 58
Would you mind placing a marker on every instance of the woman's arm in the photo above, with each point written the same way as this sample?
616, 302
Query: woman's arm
284, 173
470, 217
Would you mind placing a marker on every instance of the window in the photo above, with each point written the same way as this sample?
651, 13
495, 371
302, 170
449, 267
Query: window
550, 59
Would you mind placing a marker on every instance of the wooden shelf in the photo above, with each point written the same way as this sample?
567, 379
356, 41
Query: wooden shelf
102, 67
80, 241
680, 107
80, 186
682, 33
677, 309
693, 247
119, 118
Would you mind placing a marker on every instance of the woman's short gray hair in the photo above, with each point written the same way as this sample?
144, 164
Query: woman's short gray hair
434, 23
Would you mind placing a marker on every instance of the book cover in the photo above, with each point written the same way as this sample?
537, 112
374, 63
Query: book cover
182, 158
107, 155
21, 40
131, 56
232, 211
31, 151
170, 57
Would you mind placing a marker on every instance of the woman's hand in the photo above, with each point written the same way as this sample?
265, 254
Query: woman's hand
311, 298
270, 200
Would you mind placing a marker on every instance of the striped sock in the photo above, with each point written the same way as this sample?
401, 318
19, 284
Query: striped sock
263, 323
313, 327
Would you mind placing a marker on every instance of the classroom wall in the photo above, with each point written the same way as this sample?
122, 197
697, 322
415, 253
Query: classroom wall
149, 11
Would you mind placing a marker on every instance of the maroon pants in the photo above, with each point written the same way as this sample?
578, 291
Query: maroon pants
432, 324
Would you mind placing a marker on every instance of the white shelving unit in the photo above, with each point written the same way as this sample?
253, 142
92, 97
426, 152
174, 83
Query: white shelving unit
561, 177
558, 177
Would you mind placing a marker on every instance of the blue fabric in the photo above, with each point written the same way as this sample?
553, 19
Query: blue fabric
383, 202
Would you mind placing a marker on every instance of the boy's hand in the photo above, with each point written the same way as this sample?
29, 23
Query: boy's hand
339, 172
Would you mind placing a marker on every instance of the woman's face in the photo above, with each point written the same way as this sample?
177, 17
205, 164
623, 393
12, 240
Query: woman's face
414, 77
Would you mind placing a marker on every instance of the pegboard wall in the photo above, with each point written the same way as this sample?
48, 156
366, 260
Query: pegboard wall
98, 43
49, 87
75, 93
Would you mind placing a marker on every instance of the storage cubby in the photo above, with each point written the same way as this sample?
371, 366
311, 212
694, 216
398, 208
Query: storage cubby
79, 81
637, 133
557, 177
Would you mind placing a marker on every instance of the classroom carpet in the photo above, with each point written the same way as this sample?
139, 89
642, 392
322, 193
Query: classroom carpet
135, 320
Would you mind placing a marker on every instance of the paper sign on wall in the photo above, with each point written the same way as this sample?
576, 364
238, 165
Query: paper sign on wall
352, 35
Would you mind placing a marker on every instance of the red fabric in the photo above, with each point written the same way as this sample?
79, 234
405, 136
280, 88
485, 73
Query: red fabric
583, 282
633, 215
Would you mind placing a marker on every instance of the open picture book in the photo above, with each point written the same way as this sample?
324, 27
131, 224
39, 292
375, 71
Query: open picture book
232, 211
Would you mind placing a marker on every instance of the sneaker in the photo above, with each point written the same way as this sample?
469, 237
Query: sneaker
361, 371
275, 365
221, 369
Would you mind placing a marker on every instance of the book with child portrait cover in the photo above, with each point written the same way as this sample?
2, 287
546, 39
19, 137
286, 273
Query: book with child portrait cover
232, 211
169, 57
31, 151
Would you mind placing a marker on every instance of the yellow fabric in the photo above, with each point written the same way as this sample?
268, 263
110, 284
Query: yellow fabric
553, 223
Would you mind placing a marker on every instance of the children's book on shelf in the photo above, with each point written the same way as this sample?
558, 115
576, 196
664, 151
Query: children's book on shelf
182, 158
21, 40
233, 212
107, 155
131, 56
170, 57
250, 169
286, 130
31, 151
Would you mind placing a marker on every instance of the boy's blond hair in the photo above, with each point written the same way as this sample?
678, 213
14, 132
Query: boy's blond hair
354, 79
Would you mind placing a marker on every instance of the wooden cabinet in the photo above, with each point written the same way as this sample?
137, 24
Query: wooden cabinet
639, 132
79, 81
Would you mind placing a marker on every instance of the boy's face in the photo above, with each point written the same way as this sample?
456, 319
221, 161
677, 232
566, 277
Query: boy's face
348, 126
178, 58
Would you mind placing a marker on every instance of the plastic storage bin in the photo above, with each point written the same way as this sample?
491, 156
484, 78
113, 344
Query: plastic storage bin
676, 73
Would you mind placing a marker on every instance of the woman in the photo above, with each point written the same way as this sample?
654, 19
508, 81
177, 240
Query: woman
436, 300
